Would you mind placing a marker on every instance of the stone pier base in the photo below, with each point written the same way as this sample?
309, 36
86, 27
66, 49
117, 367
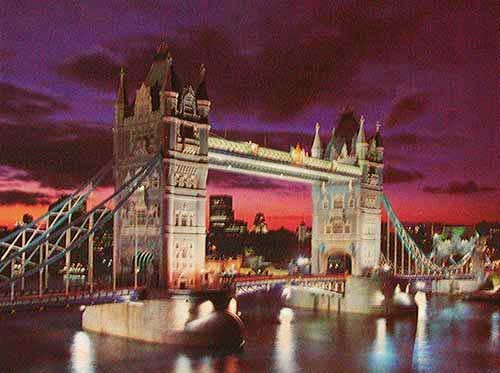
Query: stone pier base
362, 295
180, 320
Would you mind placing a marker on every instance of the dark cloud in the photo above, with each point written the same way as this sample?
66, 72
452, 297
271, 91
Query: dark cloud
229, 180
20, 103
6, 54
13, 197
94, 70
394, 175
457, 187
57, 154
314, 60
277, 140
417, 139
407, 109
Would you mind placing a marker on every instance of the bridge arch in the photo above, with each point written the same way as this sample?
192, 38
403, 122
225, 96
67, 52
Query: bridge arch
337, 257
339, 263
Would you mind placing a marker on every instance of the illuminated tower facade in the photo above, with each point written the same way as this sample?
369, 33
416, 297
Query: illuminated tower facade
346, 214
167, 215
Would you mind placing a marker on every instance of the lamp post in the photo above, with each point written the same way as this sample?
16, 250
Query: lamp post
135, 249
136, 269
16, 270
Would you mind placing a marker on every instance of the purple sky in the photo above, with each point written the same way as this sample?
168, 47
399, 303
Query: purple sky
429, 73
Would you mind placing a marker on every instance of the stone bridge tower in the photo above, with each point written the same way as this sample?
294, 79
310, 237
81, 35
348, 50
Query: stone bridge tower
346, 214
166, 218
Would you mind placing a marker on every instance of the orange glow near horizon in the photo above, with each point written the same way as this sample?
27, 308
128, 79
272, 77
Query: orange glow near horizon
285, 209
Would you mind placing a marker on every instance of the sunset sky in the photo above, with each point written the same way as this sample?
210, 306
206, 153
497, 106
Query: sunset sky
430, 74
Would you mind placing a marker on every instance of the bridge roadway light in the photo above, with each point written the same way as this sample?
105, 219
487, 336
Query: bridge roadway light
420, 285
302, 261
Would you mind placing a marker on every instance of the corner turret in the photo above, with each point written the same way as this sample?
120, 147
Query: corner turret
361, 144
202, 100
316, 146
378, 143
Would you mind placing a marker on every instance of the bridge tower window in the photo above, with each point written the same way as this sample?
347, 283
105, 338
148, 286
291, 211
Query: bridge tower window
347, 228
337, 225
338, 201
184, 219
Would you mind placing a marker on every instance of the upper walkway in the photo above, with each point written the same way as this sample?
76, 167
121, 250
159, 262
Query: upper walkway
295, 165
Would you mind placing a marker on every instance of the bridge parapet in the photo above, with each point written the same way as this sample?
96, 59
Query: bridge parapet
331, 283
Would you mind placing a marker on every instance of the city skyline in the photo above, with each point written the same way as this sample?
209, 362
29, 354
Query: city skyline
434, 95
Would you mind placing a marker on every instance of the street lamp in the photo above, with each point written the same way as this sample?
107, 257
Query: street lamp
136, 270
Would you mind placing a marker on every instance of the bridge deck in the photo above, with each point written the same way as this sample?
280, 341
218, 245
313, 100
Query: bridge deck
61, 299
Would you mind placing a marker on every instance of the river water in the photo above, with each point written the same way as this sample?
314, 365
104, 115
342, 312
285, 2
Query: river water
448, 336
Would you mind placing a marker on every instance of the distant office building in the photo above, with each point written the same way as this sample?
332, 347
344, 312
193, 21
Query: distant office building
238, 227
259, 224
221, 213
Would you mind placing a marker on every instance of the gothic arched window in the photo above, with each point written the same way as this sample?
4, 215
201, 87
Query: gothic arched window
338, 201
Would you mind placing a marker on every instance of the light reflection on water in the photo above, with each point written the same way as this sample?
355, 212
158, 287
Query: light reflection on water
383, 352
445, 335
182, 364
82, 354
285, 342
421, 350
495, 330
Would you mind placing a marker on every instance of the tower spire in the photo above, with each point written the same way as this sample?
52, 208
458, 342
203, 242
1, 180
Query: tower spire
121, 103
121, 97
361, 133
316, 146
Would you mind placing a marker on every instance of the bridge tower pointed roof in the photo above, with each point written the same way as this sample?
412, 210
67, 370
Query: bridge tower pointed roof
378, 136
121, 96
316, 146
361, 139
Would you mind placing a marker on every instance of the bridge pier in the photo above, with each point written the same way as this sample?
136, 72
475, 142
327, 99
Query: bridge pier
360, 295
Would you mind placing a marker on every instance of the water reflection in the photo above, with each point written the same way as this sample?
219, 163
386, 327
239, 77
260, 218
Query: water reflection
182, 364
447, 334
82, 354
382, 352
285, 342
495, 330
421, 350
206, 365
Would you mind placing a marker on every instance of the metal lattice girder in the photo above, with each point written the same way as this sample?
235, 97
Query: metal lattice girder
33, 234
412, 248
100, 214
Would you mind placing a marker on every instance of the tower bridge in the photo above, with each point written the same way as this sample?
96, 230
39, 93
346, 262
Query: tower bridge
162, 153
